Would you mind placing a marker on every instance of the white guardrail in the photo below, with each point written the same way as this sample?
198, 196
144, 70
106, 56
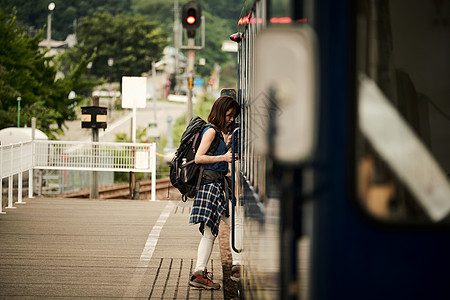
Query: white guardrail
15, 159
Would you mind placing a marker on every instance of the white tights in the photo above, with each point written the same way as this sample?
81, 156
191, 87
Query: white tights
207, 242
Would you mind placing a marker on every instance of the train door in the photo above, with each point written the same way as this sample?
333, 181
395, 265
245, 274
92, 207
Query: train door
278, 97
381, 208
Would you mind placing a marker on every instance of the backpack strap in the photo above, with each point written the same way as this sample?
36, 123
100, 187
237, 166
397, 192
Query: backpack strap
216, 141
200, 176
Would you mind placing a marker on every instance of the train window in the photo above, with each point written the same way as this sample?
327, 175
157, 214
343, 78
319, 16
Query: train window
403, 138
279, 10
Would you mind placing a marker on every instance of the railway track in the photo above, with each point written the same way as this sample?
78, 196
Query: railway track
164, 191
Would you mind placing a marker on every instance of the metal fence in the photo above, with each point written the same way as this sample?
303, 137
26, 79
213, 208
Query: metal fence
94, 156
15, 159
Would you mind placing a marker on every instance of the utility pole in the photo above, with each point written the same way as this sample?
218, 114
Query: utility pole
51, 7
176, 41
190, 72
94, 174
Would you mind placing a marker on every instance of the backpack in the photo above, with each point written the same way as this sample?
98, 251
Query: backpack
185, 174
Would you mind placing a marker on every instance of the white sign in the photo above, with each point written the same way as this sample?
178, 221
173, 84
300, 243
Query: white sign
142, 160
134, 92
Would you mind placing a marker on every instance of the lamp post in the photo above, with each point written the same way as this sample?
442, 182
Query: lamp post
89, 67
51, 7
111, 102
18, 111
110, 64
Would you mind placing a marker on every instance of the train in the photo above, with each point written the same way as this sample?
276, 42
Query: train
342, 184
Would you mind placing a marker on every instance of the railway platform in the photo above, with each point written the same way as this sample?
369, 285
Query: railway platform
102, 249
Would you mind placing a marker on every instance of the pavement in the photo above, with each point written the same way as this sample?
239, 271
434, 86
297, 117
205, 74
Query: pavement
104, 249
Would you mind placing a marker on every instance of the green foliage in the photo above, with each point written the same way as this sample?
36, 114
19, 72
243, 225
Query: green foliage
159, 11
33, 14
132, 42
201, 109
217, 28
228, 10
162, 11
203, 106
27, 73
228, 75
141, 136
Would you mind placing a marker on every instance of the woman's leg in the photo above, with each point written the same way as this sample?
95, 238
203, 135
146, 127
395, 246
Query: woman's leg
200, 278
237, 238
204, 249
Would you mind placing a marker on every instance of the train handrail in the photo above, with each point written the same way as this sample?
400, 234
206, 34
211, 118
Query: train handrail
233, 199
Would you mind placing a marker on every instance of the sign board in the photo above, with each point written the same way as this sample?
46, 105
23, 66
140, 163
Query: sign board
229, 46
142, 160
93, 117
198, 81
134, 92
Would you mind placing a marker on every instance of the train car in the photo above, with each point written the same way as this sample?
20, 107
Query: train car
344, 140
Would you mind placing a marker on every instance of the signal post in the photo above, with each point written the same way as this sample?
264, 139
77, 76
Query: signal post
191, 16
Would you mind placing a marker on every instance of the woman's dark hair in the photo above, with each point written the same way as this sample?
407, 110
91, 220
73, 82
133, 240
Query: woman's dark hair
219, 110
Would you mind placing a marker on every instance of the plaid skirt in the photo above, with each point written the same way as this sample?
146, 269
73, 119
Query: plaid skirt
208, 207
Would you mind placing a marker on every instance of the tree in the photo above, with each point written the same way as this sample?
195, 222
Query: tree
131, 42
26, 72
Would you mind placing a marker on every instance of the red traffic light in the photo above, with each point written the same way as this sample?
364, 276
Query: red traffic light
191, 17
190, 20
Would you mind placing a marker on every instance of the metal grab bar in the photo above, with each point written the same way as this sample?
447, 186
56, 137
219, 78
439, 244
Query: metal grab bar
233, 181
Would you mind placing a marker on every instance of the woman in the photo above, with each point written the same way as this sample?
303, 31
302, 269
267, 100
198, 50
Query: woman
211, 203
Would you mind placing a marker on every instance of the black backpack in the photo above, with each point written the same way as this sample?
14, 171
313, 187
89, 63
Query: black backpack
185, 174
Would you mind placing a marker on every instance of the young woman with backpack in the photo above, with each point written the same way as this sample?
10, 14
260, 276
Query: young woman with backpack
211, 201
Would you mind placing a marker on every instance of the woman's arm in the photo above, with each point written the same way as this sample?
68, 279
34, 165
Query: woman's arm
201, 157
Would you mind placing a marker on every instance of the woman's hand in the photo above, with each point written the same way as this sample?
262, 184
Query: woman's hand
228, 141
228, 156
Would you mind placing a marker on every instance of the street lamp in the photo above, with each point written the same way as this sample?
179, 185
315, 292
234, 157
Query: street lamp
51, 7
89, 67
110, 64
18, 111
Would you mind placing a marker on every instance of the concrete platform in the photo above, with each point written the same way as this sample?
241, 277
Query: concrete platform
105, 249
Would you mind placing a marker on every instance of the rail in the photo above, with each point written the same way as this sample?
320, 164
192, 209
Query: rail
15, 159
164, 190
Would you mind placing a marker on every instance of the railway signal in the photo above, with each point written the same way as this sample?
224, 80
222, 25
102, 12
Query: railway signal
191, 17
